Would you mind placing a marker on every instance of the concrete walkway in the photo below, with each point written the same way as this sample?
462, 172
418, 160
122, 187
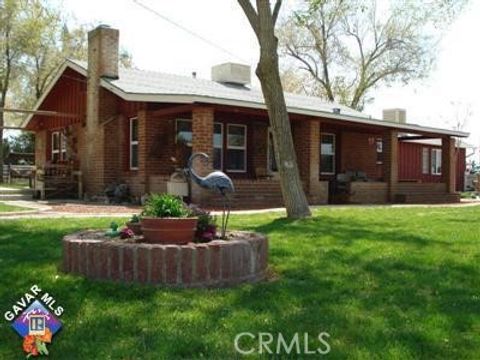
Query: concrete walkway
78, 209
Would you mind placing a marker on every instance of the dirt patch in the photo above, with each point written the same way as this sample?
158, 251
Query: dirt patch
86, 208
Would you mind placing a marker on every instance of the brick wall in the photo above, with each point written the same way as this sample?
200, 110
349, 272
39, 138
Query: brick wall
243, 258
202, 141
359, 153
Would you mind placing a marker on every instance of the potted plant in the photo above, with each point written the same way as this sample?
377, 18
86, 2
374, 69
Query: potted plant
166, 220
134, 224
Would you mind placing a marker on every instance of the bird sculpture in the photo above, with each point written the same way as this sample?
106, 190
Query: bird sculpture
216, 181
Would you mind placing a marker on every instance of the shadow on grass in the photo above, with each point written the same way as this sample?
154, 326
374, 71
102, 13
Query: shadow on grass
377, 287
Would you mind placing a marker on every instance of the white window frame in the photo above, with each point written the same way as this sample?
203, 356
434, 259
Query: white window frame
269, 164
176, 129
334, 153
244, 148
425, 160
436, 154
53, 150
132, 143
221, 143
379, 149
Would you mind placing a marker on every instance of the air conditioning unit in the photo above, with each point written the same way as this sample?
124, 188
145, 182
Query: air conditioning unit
232, 73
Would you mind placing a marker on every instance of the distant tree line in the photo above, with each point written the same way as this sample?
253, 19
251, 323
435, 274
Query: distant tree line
35, 39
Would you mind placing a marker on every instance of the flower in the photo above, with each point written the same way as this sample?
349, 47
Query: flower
126, 233
29, 345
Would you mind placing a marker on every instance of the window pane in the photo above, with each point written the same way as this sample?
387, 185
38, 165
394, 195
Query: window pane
133, 130
217, 159
236, 136
326, 164
184, 132
134, 156
436, 161
236, 160
327, 154
425, 164
55, 157
217, 136
379, 151
55, 141
327, 145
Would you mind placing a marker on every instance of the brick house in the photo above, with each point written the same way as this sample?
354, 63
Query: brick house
137, 127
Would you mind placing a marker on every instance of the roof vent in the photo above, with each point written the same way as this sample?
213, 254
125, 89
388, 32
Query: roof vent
336, 110
231, 73
395, 115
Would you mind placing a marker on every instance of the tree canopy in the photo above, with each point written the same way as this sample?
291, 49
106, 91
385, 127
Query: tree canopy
345, 48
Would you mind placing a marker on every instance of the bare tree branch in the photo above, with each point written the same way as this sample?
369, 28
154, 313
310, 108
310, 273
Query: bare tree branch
276, 11
251, 15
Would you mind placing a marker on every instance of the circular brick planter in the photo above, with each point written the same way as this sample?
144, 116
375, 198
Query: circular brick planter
242, 258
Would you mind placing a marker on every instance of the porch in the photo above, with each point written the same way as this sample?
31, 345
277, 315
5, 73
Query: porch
339, 161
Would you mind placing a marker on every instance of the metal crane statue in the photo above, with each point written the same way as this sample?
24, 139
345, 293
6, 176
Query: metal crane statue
216, 181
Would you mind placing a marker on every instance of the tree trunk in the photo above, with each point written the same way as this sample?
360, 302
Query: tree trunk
263, 23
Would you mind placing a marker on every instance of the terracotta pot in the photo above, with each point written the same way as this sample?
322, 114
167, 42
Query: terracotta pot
168, 230
136, 227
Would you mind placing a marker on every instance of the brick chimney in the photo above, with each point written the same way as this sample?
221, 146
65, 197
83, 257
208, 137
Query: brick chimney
102, 63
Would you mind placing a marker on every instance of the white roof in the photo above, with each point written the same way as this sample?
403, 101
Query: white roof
150, 86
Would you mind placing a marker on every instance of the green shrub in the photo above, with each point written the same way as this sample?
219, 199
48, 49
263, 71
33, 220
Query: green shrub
165, 205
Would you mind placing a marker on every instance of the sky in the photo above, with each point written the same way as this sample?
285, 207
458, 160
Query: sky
451, 90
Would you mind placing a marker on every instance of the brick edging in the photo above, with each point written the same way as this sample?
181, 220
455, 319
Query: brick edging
215, 264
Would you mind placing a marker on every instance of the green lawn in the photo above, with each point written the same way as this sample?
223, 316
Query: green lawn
10, 208
398, 283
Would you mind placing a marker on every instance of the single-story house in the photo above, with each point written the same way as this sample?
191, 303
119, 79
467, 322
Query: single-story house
117, 125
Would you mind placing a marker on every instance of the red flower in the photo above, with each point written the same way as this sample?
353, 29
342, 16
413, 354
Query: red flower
29, 345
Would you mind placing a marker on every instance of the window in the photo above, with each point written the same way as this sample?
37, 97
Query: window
134, 143
63, 147
425, 161
327, 154
379, 144
184, 132
236, 148
217, 146
55, 146
272, 162
436, 161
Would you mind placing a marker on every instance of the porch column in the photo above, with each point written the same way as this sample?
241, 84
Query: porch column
390, 149
449, 164
202, 141
41, 148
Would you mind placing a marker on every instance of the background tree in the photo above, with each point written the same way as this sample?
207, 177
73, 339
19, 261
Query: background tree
348, 47
34, 41
13, 41
262, 19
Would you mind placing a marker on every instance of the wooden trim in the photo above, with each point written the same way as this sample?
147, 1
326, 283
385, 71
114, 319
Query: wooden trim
41, 113
170, 111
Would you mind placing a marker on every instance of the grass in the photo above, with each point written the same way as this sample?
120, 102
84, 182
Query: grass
10, 208
385, 283
20, 184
